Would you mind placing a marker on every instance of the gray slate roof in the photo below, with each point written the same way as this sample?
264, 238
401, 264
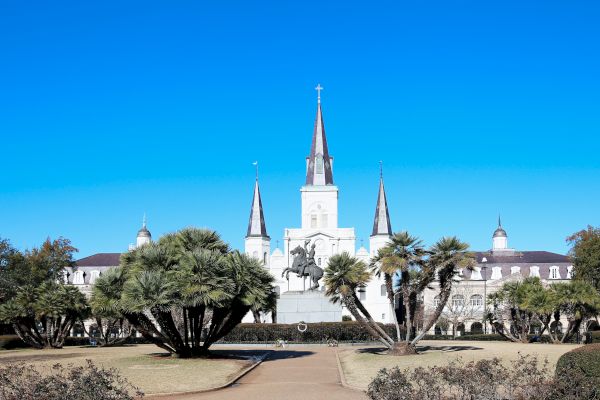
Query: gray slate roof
319, 151
100, 260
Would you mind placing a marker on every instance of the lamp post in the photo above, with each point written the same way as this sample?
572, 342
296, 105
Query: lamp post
484, 269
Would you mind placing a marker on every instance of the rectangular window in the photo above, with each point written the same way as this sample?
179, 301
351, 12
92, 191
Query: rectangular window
324, 221
313, 221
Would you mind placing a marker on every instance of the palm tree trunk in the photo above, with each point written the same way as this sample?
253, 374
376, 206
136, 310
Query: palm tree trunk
370, 319
349, 302
389, 288
444, 296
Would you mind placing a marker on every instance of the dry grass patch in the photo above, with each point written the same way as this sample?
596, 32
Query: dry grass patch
145, 366
361, 365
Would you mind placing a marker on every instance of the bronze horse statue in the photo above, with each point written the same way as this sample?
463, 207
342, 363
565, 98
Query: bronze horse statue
305, 266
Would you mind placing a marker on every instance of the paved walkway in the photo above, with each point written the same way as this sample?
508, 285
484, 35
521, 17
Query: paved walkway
305, 373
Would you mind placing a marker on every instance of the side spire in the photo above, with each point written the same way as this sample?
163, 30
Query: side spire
319, 170
381, 224
256, 225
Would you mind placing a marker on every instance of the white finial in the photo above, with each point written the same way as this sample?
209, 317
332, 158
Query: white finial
381, 169
318, 89
255, 163
144, 221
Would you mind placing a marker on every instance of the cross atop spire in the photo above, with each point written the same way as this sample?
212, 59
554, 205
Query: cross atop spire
255, 163
318, 89
144, 221
499, 222
256, 224
381, 224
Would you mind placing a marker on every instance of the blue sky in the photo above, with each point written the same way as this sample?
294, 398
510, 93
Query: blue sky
113, 109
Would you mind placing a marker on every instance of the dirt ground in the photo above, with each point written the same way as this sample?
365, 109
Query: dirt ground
145, 366
361, 365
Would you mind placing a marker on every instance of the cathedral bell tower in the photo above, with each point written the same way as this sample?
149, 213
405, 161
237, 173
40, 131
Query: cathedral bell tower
382, 229
319, 194
257, 243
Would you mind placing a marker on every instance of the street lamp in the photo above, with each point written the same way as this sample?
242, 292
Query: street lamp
484, 269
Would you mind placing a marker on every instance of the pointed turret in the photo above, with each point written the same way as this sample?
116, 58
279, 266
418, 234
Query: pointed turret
381, 224
500, 238
319, 170
256, 225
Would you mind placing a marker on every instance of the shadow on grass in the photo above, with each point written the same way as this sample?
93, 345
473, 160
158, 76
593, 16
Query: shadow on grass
239, 354
382, 351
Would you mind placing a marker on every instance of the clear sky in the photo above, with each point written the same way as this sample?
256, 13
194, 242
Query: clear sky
112, 109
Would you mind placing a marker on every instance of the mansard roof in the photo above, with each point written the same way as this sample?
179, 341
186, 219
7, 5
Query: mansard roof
381, 224
521, 257
317, 174
100, 260
256, 224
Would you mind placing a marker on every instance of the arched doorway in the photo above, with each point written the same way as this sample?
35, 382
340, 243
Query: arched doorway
477, 328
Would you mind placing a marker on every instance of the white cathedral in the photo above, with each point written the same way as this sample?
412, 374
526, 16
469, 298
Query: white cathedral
319, 197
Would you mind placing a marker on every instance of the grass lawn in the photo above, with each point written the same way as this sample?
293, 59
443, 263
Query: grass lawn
361, 365
145, 366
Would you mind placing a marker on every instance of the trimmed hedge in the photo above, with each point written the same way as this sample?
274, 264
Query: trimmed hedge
351, 332
585, 360
9, 342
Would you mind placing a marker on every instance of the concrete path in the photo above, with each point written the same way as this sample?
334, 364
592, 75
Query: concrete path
305, 373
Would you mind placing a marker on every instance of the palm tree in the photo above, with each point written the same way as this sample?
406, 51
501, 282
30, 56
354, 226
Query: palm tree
194, 288
344, 275
576, 300
417, 268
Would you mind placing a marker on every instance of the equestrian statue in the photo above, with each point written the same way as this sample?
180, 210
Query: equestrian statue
304, 265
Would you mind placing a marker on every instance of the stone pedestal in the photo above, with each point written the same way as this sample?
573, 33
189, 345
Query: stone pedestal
308, 306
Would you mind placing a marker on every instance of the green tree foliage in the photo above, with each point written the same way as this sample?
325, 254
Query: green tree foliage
41, 309
518, 305
417, 267
43, 316
585, 254
194, 288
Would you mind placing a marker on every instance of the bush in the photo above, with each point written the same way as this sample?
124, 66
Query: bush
23, 382
8, 342
526, 378
85, 341
595, 336
585, 359
351, 332
484, 379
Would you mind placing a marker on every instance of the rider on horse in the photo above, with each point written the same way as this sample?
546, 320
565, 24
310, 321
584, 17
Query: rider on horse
310, 258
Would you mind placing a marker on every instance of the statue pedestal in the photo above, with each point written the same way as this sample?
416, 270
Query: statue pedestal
307, 306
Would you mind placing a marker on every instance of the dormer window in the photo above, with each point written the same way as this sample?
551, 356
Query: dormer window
515, 270
554, 272
570, 272
496, 273
534, 271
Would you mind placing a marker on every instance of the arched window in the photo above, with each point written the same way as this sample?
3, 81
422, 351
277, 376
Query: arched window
496, 273
78, 278
362, 294
265, 258
93, 276
436, 301
554, 272
458, 300
383, 289
534, 271
570, 272
255, 254
476, 274
515, 270
476, 300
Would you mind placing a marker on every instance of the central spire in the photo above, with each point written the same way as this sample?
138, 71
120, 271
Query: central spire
318, 170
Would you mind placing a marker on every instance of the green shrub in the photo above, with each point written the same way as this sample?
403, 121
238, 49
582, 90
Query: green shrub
585, 359
8, 342
351, 332
24, 382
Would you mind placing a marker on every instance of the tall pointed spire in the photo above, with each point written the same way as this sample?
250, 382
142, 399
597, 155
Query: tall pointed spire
256, 225
381, 224
318, 170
